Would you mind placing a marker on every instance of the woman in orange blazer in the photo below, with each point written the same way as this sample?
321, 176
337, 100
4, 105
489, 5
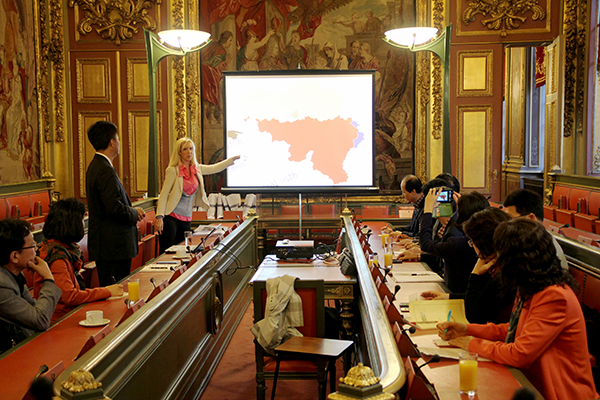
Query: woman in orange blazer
182, 189
62, 230
546, 336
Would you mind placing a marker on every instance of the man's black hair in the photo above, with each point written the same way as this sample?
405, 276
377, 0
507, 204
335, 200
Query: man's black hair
451, 181
526, 202
12, 237
411, 182
101, 133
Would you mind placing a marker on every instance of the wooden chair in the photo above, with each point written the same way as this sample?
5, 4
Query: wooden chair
417, 386
313, 308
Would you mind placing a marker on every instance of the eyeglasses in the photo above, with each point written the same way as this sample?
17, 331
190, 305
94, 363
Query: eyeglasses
35, 246
470, 243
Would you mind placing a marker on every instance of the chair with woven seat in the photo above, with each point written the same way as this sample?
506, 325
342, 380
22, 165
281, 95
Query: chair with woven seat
293, 368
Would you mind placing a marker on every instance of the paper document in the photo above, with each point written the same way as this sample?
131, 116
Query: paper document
422, 276
206, 229
426, 314
162, 267
446, 352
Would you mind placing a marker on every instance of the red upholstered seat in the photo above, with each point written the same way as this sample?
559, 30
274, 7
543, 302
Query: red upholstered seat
3, 208
18, 206
375, 211
577, 203
586, 220
40, 200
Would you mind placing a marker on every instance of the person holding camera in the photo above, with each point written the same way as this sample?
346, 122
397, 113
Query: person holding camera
453, 247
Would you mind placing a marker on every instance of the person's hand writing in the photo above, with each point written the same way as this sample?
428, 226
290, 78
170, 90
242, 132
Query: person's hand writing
483, 266
434, 295
451, 330
412, 246
115, 290
399, 235
462, 342
40, 267
141, 213
158, 225
404, 242
411, 255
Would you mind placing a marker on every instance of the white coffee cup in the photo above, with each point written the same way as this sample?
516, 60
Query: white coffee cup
182, 252
94, 317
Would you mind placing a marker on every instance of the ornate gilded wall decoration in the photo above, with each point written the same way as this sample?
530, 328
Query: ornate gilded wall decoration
437, 84
503, 14
56, 53
116, 20
43, 75
570, 33
597, 159
179, 67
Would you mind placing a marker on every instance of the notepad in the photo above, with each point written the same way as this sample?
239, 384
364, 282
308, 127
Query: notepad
426, 314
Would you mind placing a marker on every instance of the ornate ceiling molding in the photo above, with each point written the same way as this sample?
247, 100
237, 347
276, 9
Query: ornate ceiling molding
503, 14
116, 20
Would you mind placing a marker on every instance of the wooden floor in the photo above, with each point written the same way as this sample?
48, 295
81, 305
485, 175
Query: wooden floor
234, 378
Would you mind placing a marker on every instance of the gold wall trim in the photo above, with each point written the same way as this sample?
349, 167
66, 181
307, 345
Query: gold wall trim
114, 20
422, 98
104, 83
56, 54
81, 140
138, 138
570, 33
461, 146
503, 16
487, 72
43, 74
142, 77
552, 129
437, 79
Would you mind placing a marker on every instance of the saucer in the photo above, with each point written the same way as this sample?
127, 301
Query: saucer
85, 323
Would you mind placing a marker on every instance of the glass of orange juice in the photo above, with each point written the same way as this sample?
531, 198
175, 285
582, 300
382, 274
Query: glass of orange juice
467, 367
133, 287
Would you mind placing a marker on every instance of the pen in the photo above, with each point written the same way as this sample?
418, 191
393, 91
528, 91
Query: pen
449, 316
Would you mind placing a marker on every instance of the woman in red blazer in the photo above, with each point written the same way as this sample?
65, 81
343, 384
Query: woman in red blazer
62, 230
546, 336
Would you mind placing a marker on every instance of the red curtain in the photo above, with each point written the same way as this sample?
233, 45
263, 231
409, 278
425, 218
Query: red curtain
540, 66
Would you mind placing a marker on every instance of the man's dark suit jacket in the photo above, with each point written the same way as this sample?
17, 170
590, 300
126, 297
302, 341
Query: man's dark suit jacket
112, 230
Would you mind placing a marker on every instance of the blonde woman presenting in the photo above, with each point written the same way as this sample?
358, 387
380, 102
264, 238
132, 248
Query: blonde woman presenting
182, 189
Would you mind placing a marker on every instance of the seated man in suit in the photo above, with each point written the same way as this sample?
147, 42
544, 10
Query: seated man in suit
528, 204
411, 190
20, 314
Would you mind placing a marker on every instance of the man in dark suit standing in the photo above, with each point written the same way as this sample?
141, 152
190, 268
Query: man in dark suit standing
112, 231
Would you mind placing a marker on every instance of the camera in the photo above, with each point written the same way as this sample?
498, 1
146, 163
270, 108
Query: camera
445, 208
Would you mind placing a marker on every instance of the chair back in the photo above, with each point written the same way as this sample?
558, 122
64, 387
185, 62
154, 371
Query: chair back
312, 294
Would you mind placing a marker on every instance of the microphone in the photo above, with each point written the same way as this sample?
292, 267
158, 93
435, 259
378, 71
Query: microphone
396, 290
564, 226
523, 394
200, 246
434, 359
153, 282
43, 369
386, 271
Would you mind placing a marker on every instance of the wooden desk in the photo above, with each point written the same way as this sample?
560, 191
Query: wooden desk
170, 336
495, 381
337, 285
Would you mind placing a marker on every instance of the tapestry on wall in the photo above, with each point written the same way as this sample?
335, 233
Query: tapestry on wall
19, 145
254, 35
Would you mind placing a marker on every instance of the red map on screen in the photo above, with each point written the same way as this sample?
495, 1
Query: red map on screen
305, 135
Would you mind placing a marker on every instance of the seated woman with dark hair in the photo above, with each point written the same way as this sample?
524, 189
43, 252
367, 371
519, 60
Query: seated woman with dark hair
62, 230
485, 301
458, 256
546, 336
